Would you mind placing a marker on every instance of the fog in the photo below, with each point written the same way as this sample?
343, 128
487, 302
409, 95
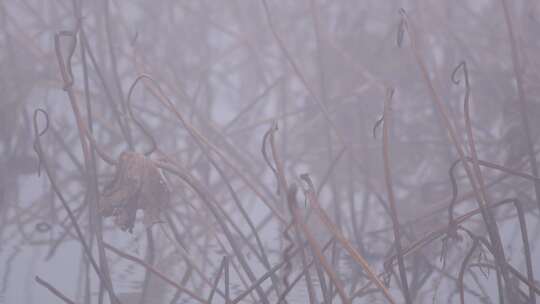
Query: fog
264, 151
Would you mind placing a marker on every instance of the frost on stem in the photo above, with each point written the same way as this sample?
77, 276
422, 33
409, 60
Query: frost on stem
138, 184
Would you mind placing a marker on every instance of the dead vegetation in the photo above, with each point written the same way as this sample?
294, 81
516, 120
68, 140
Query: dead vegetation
272, 152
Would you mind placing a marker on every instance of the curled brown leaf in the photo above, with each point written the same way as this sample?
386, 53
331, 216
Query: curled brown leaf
138, 185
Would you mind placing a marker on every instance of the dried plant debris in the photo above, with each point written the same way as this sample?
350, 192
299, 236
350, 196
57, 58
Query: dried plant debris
138, 184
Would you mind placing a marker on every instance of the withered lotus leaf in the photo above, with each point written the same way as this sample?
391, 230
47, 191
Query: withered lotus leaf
138, 184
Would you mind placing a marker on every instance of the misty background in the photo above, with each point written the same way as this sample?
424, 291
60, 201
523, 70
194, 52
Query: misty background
304, 81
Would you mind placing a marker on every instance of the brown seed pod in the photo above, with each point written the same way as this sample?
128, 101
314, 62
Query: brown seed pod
138, 184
